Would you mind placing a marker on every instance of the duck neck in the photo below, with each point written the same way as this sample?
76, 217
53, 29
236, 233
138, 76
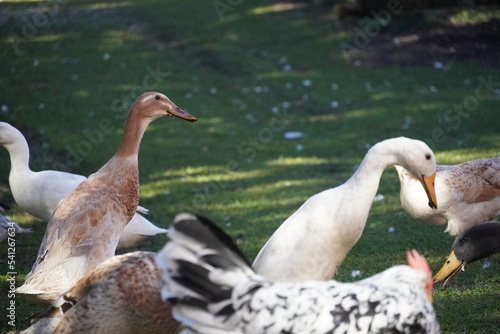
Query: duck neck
19, 155
132, 135
378, 158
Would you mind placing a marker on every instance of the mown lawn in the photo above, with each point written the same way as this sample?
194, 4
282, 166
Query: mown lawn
251, 74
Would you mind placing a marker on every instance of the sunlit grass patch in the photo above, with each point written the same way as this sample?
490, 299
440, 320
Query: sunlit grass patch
250, 77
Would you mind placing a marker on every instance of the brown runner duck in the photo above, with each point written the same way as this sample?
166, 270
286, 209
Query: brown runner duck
38, 193
85, 227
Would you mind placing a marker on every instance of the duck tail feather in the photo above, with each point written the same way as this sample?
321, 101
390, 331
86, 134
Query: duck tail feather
202, 268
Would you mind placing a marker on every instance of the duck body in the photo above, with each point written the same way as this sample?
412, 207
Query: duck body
215, 291
121, 295
313, 250
84, 230
312, 243
39, 193
85, 227
467, 194
473, 244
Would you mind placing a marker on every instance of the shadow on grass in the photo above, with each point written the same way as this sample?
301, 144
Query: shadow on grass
91, 59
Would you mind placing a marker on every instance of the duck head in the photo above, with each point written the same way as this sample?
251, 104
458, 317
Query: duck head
420, 161
8, 134
153, 105
473, 244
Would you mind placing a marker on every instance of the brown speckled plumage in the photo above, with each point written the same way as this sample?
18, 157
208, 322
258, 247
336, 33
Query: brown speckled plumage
478, 180
122, 295
467, 194
85, 227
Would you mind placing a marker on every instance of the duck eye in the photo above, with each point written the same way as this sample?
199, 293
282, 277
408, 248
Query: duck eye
428, 156
157, 97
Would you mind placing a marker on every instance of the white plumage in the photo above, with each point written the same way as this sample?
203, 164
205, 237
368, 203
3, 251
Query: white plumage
467, 194
313, 242
38, 193
215, 291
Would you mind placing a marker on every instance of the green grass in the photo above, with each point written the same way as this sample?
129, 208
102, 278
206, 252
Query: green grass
89, 60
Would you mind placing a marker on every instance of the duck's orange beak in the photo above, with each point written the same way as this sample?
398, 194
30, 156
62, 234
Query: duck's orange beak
428, 183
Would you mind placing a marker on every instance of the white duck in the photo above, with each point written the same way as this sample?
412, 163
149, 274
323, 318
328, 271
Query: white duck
312, 243
38, 193
86, 226
121, 295
215, 291
468, 194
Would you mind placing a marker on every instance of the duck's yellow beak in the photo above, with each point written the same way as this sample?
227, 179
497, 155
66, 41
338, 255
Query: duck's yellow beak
450, 268
428, 183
